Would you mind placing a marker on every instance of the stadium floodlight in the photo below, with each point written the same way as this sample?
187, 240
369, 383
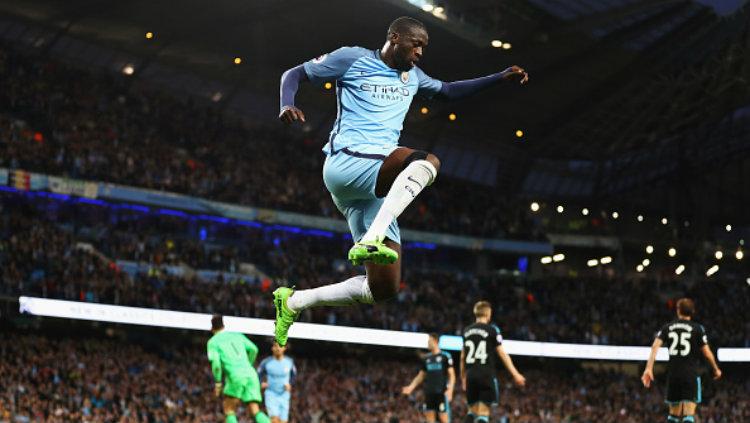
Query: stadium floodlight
728, 228
328, 85
237, 60
558, 257
639, 268
496, 43
664, 221
672, 252
546, 260
748, 281
739, 255
605, 260
646, 262
680, 269
427, 7
519, 133
649, 249
424, 110
592, 263
534, 206
719, 255
128, 69
264, 327
615, 215
216, 97
640, 218
560, 209
452, 116
585, 211
149, 35
711, 270
507, 46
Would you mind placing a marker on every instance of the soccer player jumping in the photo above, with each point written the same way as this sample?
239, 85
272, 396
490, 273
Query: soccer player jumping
371, 179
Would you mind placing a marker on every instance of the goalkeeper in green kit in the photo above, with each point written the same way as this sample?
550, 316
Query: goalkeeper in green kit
232, 355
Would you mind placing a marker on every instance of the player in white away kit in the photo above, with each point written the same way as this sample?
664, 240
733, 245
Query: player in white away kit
370, 177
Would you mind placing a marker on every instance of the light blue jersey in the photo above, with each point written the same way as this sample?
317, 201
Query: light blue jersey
372, 99
277, 373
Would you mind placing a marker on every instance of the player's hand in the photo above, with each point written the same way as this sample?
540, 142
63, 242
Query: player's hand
290, 114
217, 390
407, 390
264, 385
647, 378
449, 394
288, 387
516, 72
519, 379
717, 373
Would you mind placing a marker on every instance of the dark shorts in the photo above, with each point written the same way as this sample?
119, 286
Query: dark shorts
486, 390
436, 402
683, 389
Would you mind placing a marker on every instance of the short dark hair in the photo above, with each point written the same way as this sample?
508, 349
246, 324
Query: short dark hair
405, 24
686, 307
435, 336
217, 322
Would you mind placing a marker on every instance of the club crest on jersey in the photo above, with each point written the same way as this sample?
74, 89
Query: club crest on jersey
404, 77
320, 58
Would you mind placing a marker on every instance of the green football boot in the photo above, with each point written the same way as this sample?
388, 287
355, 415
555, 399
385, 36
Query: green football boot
284, 316
372, 251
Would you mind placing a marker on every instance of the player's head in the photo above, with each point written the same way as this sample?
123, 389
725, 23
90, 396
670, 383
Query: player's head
483, 310
433, 341
278, 350
217, 323
407, 36
685, 307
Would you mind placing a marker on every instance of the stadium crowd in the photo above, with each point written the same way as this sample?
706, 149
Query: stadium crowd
40, 254
97, 380
64, 121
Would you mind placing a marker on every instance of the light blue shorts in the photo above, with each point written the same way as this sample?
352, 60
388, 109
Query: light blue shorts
351, 181
277, 404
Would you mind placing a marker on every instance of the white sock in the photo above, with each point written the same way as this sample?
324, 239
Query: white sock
351, 291
408, 184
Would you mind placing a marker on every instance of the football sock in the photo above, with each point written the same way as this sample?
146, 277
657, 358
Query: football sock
673, 419
261, 417
408, 184
231, 418
688, 419
351, 291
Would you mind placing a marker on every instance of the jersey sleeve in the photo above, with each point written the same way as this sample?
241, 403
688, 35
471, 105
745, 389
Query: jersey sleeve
292, 373
331, 66
498, 335
449, 359
215, 359
428, 86
251, 349
262, 369
702, 336
662, 333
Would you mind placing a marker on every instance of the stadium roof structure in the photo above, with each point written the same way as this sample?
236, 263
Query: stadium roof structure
636, 102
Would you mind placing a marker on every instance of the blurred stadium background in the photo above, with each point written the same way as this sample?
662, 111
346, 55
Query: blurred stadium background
138, 139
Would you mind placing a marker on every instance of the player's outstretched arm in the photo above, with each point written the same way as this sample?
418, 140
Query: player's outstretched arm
648, 373
407, 390
508, 363
460, 89
215, 360
706, 350
290, 81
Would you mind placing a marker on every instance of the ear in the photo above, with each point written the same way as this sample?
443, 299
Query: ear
393, 37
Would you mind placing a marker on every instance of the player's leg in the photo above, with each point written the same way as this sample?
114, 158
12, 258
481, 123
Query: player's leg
402, 176
253, 397
444, 411
429, 416
480, 412
688, 412
230, 405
